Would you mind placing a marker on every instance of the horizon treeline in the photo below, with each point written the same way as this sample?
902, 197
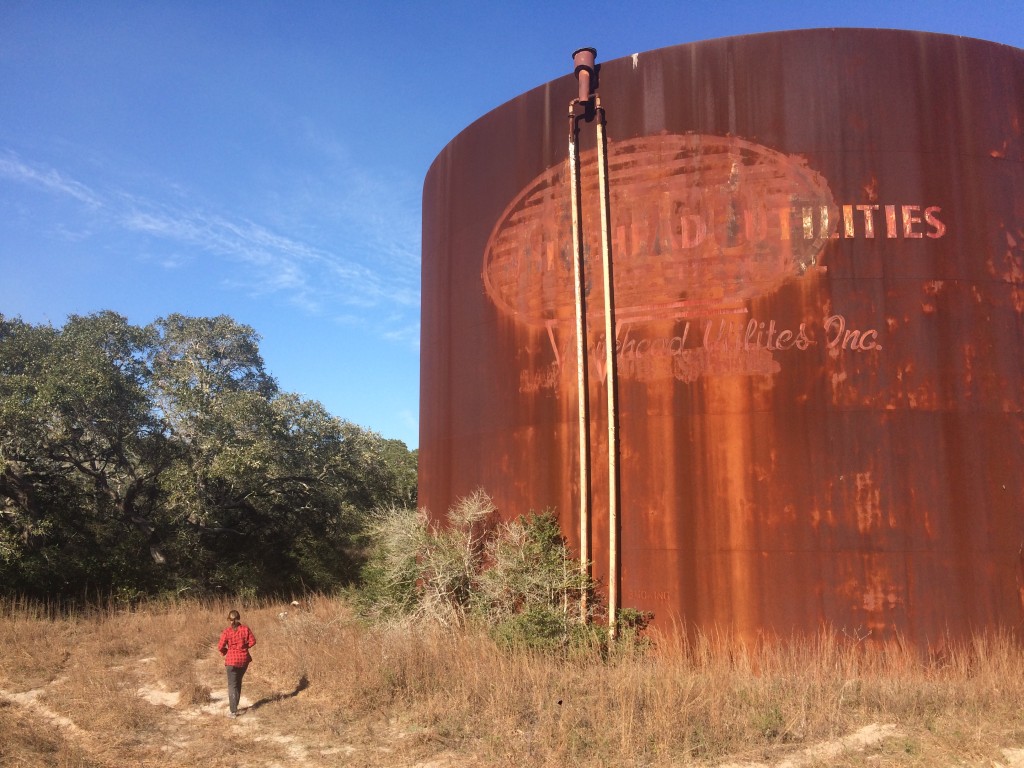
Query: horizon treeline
163, 459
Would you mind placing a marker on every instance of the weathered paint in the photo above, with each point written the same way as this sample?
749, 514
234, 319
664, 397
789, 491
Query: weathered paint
818, 241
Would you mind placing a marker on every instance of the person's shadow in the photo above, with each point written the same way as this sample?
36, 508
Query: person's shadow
302, 685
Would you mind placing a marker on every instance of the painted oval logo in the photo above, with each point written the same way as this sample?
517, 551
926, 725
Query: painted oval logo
700, 225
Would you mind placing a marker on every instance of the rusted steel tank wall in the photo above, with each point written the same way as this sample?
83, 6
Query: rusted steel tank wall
819, 274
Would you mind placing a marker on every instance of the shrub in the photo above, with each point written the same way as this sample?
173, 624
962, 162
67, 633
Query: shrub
392, 571
516, 577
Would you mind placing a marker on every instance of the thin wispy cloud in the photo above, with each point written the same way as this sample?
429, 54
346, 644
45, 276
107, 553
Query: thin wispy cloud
15, 169
375, 203
375, 268
408, 334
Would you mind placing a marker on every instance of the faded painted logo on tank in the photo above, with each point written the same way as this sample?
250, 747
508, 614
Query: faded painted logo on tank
700, 225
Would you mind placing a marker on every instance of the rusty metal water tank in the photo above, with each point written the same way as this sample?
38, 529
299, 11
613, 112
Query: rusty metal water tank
818, 248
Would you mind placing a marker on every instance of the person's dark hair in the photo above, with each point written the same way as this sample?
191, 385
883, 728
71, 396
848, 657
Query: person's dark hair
234, 616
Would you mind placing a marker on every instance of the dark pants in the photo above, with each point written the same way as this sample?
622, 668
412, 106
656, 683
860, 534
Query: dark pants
235, 686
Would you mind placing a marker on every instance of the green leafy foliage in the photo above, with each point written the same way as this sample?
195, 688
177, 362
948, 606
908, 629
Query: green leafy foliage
516, 577
135, 460
390, 584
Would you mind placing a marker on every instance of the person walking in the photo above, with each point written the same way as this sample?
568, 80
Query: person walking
234, 645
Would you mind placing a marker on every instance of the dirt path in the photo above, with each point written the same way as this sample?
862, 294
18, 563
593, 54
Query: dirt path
826, 751
182, 728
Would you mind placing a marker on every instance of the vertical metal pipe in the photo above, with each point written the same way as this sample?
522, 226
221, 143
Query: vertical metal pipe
582, 387
584, 60
614, 575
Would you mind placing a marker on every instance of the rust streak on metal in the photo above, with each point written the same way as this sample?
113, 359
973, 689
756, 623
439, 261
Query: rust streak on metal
818, 344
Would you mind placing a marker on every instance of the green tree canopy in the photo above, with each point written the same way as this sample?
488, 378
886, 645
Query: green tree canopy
139, 459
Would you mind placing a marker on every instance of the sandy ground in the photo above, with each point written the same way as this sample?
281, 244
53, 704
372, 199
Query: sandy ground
251, 728
257, 730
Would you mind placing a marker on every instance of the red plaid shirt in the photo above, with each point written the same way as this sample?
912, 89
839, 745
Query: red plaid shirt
234, 645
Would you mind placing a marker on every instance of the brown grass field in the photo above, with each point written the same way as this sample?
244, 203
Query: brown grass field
146, 688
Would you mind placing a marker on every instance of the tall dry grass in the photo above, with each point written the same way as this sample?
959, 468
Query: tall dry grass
328, 689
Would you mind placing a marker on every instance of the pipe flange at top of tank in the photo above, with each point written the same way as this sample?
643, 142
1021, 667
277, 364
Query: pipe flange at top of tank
583, 60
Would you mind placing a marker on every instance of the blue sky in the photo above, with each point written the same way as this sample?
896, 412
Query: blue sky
265, 159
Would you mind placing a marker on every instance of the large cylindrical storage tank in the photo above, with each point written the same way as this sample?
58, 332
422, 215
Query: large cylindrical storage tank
818, 249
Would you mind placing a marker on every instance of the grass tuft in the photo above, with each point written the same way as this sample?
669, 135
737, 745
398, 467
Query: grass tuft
326, 687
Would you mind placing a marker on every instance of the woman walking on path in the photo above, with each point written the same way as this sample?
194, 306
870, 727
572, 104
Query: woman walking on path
234, 645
